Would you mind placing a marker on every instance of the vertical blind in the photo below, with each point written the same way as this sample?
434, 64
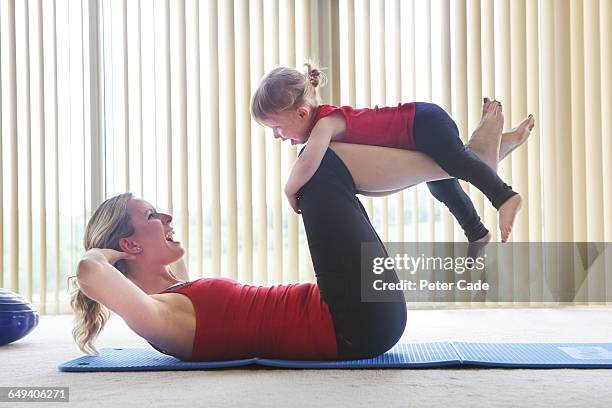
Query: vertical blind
98, 98
45, 140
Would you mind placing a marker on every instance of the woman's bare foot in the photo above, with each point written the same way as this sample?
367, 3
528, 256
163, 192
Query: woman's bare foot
507, 214
485, 140
516, 137
483, 146
485, 104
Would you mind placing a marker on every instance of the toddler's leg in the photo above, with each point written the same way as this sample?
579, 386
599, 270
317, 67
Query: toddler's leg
437, 135
449, 192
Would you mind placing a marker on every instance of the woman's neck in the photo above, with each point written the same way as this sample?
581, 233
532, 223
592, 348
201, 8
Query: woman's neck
151, 279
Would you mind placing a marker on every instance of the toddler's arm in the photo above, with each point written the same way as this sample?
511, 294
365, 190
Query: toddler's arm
308, 162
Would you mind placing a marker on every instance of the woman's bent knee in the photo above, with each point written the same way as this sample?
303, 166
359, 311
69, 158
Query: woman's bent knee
376, 328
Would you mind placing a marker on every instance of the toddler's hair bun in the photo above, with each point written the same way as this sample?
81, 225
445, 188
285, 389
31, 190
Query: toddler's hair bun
314, 75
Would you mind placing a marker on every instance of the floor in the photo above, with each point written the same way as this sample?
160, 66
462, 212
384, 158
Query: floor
33, 361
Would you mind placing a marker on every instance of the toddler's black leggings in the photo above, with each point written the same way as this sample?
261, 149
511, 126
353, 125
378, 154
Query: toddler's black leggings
437, 135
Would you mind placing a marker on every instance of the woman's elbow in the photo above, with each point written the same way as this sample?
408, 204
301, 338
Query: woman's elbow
85, 269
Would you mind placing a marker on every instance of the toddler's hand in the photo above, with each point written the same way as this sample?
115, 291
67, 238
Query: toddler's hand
293, 202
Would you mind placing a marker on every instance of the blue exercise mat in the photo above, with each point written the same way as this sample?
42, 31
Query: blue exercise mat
139, 359
534, 355
403, 355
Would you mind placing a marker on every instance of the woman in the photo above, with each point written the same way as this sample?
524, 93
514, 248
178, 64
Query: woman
216, 318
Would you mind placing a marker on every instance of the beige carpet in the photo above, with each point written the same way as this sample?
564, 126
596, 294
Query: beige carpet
33, 361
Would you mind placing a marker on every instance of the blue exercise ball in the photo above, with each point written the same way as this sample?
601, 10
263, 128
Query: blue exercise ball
17, 317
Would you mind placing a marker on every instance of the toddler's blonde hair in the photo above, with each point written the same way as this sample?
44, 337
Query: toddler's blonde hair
286, 89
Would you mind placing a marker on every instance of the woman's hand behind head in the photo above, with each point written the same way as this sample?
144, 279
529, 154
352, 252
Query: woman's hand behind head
107, 255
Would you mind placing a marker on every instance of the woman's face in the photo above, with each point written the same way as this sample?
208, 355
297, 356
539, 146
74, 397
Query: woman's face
153, 234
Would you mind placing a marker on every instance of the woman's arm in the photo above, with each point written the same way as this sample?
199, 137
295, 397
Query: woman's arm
102, 282
308, 162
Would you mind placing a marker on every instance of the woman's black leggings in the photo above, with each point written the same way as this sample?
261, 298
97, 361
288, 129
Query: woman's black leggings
336, 225
436, 134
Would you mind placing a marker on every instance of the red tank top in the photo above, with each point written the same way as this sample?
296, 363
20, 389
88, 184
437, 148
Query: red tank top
386, 126
235, 321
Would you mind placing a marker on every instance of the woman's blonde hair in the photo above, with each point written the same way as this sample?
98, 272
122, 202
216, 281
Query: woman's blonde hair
287, 88
108, 224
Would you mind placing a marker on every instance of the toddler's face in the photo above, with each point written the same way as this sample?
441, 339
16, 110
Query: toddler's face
290, 125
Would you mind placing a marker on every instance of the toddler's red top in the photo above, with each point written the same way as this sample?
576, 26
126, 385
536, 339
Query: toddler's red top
385, 126
236, 321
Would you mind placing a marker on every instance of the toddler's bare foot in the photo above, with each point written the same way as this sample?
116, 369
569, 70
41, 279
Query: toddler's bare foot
507, 214
484, 240
475, 247
486, 138
516, 137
